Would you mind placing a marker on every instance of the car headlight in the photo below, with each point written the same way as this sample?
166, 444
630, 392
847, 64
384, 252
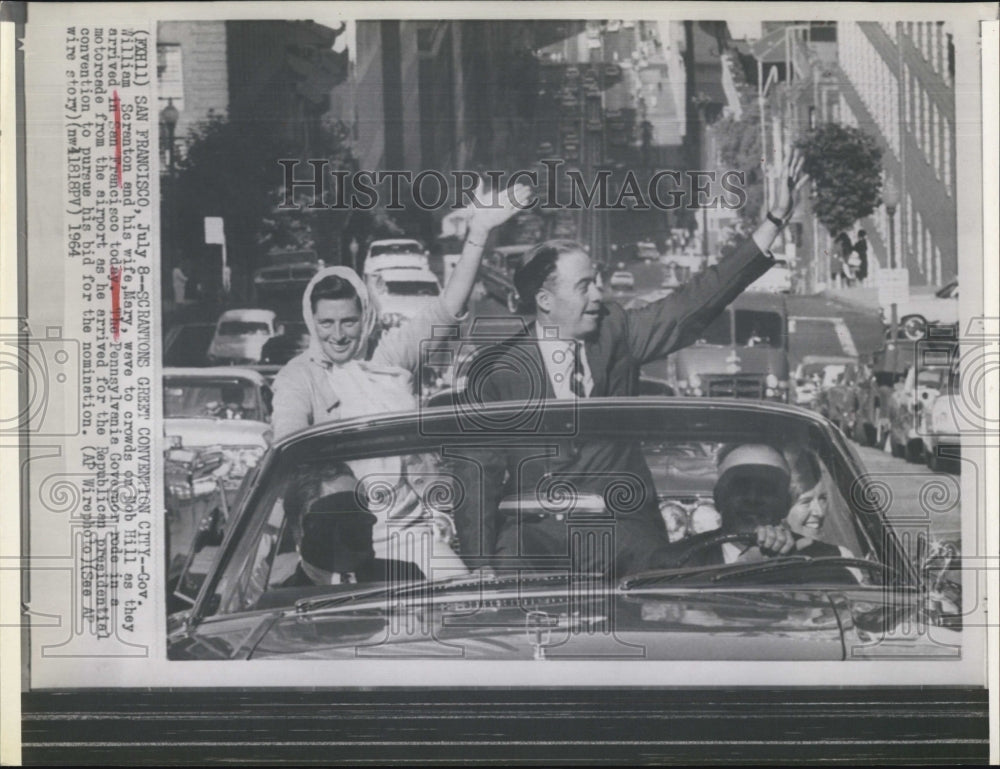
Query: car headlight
769, 392
771, 381
697, 392
696, 380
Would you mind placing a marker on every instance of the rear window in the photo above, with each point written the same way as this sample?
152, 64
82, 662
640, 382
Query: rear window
397, 248
412, 287
243, 328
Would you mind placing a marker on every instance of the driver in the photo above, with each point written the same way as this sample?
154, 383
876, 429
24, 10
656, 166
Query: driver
751, 496
230, 403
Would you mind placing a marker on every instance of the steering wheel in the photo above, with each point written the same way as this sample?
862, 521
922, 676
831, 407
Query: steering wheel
745, 537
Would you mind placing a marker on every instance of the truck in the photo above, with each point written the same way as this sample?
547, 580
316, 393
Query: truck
743, 353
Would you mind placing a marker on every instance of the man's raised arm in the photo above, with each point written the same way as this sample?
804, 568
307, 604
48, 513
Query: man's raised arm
677, 320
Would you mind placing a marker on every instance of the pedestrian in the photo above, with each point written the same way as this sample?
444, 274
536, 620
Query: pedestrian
180, 280
838, 259
583, 347
861, 249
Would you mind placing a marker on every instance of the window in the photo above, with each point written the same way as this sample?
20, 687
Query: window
759, 329
412, 287
243, 328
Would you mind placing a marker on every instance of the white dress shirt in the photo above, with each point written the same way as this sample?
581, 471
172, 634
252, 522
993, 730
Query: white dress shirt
558, 356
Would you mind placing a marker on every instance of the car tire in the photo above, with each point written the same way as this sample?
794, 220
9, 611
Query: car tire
898, 449
913, 451
933, 462
869, 435
914, 327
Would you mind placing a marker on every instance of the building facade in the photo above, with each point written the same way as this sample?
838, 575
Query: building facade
897, 81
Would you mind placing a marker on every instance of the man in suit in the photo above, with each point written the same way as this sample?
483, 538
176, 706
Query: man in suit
580, 347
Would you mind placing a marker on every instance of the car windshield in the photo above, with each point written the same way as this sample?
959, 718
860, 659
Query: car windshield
202, 397
759, 329
412, 287
718, 332
932, 377
243, 328
424, 483
410, 247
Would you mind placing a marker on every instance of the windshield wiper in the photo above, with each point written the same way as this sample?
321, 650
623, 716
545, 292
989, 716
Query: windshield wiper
737, 571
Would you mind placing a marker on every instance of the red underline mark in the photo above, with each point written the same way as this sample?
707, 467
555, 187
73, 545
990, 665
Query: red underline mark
117, 105
116, 307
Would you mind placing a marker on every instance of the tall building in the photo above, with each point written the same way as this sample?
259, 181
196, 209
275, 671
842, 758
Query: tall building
897, 81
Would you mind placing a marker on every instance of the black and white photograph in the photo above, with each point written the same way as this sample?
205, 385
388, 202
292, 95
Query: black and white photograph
429, 347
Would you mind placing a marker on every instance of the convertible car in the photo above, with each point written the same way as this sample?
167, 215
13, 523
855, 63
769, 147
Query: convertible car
255, 597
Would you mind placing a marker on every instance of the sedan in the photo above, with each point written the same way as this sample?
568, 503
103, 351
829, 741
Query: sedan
847, 590
921, 311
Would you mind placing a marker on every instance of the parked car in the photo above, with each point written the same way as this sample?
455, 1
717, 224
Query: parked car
240, 336
921, 311
402, 260
224, 408
391, 246
195, 508
400, 293
282, 284
814, 373
919, 388
252, 605
940, 424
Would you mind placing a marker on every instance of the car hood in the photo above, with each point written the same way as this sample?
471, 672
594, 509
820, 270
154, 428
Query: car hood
713, 361
212, 432
554, 622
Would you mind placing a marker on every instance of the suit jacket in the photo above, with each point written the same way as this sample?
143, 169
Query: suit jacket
625, 340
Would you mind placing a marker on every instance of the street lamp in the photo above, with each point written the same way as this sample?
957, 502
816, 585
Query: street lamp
890, 198
169, 116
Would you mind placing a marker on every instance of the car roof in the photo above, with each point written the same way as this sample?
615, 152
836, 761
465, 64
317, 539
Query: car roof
395, 242
759, 301
248, 314
214, 372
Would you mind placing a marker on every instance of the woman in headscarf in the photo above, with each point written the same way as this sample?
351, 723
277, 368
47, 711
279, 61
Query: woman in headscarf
345, 374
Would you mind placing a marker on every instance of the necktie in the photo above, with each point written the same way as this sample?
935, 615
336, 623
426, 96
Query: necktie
576, 380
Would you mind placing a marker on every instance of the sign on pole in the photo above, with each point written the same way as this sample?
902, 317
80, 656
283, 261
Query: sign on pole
893, 286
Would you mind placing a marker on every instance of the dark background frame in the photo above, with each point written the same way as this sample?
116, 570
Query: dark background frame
905, 725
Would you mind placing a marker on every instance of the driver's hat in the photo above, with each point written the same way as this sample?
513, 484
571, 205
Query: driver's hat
337, 533
757, 460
